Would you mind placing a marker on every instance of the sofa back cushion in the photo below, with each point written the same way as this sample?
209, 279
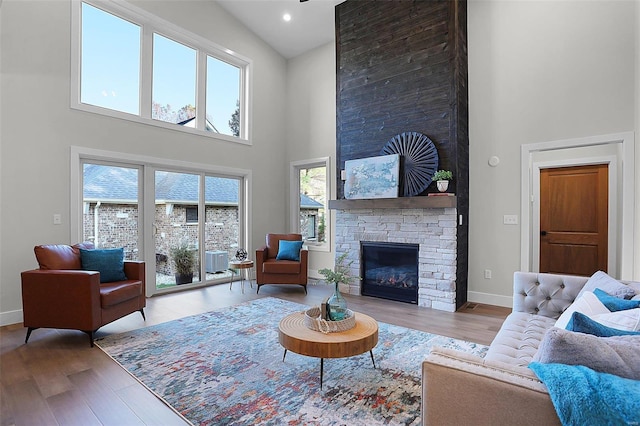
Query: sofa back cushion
60, 256
545, 294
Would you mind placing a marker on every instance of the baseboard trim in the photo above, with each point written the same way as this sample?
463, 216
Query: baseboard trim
10, 317
490, 299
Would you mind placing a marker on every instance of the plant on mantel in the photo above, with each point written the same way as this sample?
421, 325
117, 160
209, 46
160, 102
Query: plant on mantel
442, 175
442, 178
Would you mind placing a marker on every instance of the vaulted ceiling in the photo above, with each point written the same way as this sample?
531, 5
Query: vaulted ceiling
311, 25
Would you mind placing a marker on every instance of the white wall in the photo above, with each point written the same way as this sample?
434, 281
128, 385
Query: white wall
311, 122
38, 129
538, 71
637, 128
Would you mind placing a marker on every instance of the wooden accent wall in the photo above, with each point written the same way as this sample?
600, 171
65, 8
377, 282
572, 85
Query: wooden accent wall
402, 66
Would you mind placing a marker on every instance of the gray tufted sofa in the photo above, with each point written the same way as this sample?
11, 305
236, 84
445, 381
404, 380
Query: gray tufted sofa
499, 389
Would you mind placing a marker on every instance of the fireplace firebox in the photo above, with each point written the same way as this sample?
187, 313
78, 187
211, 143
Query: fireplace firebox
389, 270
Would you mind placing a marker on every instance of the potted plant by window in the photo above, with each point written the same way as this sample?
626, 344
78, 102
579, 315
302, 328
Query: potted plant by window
184, 260
442, 178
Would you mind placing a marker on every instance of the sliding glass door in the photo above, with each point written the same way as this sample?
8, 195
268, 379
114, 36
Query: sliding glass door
196, 227
196, 219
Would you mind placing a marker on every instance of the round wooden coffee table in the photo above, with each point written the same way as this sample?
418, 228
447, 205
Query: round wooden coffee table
294, 336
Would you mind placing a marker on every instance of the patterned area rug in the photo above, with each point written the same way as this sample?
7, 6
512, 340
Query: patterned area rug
225, 367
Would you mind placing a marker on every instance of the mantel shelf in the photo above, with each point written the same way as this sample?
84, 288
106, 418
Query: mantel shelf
422, 202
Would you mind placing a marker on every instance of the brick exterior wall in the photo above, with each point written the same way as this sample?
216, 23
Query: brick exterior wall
433, 229
118, 227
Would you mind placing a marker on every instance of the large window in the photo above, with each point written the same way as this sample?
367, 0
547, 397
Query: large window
309, 198
133, 65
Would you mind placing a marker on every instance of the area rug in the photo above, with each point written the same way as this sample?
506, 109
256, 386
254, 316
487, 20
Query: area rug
225, 367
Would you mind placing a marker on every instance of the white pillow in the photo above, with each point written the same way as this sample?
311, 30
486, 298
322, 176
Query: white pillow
588, 304
628, 320
609, 285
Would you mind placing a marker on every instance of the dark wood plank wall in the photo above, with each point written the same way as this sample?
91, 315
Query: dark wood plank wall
402, 66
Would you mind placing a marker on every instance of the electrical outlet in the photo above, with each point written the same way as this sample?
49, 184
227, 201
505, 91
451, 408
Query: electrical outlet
57, 219
487, 274
510, 219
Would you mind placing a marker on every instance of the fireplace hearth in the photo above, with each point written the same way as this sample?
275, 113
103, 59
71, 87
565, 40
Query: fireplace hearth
389, 270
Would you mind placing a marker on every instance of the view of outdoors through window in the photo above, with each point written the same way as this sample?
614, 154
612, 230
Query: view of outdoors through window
110, 61
111, 220
111, 76
110, 207
174, 81
313, 197
223, 106
177, 227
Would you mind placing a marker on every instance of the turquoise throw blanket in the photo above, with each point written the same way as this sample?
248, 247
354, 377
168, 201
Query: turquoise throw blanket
582, 396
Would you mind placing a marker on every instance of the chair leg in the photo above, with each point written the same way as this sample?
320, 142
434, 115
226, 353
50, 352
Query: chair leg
90, 334
142, 312
29, 330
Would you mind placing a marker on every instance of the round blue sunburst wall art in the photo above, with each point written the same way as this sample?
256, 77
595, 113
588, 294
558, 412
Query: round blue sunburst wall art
419, 161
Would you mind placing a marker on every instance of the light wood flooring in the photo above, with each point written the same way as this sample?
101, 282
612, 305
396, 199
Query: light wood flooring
57, 379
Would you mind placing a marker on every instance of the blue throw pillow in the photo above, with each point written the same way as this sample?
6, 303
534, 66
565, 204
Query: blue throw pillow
289, 250
583, 324
109, 262
615, 303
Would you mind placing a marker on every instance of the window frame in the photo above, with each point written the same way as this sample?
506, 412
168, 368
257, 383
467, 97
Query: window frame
151, 24
294, 199
188, 215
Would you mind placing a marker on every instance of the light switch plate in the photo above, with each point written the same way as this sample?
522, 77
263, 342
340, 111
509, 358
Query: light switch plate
510, 219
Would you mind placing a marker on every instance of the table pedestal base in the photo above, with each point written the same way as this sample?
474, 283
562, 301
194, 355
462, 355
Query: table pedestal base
322, 364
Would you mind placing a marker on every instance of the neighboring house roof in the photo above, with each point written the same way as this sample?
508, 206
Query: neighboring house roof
307, 202
106, 183
120, 185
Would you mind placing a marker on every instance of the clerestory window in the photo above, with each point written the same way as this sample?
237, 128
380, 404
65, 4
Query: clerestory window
131, 64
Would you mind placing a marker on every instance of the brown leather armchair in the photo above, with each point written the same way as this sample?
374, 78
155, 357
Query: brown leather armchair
62, 295
269, 270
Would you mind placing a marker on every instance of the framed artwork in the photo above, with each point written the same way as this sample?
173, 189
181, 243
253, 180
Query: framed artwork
374, 177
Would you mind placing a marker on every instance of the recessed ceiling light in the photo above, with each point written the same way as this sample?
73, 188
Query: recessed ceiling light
286, 17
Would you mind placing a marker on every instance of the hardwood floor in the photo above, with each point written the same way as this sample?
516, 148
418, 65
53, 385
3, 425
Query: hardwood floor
58, 379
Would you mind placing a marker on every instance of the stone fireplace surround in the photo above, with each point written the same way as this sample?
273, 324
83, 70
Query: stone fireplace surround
434, 229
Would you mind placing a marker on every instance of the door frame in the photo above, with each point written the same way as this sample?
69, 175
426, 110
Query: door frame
623, 193
612, 202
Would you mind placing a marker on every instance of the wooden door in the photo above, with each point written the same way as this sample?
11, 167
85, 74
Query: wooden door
574, 219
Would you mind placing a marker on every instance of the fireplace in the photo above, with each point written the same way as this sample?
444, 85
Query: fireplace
389, 270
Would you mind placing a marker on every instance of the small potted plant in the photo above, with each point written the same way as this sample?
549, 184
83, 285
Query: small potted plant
442, 178
184, 260
337, 305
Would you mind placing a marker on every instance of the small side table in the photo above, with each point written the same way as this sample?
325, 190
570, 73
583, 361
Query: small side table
240, 266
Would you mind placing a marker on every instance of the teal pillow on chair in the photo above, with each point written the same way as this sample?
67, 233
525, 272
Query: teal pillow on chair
289, 250
615, 303
109, 262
